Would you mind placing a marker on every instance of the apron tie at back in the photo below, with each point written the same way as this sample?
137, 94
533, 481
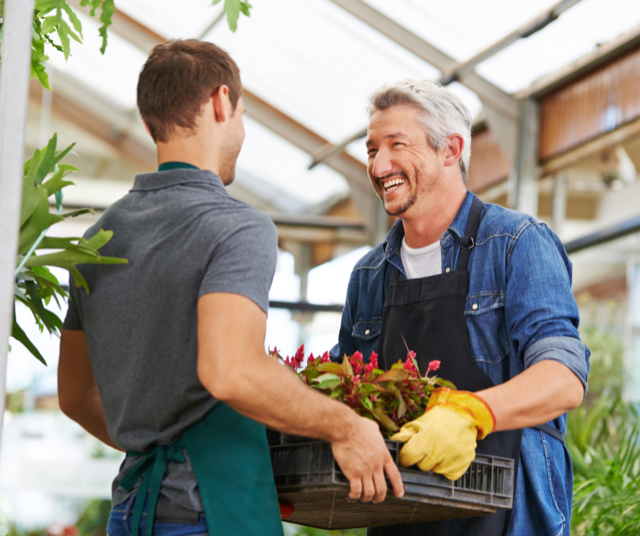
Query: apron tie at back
157, 461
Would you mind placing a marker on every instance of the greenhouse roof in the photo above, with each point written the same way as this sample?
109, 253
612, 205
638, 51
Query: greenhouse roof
316, 62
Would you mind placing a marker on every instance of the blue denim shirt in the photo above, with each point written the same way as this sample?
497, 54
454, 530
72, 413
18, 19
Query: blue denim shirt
519, 310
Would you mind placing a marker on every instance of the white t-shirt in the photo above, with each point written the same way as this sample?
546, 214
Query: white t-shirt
421, 262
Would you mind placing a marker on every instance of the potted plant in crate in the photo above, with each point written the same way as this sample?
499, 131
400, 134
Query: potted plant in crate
310, 482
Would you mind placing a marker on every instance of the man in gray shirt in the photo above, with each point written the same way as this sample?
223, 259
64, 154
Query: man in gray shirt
165, 357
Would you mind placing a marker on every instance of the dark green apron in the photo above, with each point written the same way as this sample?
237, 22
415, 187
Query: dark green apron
231, 461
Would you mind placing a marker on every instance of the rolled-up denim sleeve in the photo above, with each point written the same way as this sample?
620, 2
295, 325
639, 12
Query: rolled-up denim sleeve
571, 352
541, 312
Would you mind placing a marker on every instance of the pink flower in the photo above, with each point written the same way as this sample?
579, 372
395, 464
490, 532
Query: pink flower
356, 378
299, 357
357, 367
374, 359
368, 368
325, 358
373, 398
408, 364
434, 365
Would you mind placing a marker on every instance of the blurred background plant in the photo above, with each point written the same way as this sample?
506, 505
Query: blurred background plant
603, 440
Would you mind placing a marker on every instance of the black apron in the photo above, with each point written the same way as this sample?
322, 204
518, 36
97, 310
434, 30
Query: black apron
429, 314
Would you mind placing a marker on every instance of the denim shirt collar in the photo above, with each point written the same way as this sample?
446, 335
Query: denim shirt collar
392, 244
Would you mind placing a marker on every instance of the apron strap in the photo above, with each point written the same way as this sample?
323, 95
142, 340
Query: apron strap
550, 430
156, 460
468, 241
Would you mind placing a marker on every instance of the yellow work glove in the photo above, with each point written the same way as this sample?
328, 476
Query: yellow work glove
443, 439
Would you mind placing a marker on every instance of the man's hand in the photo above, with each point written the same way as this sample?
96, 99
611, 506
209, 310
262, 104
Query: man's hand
364, 459
234, 368
443, 439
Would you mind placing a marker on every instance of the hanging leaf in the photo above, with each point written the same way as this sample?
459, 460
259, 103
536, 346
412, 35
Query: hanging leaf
21, 336
233, 8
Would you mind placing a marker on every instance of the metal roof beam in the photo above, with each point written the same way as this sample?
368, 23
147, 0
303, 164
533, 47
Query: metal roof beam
486, 91
81, 114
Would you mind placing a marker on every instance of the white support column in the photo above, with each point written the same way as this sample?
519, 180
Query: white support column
14, 95
559, 202
632, 365
526, 173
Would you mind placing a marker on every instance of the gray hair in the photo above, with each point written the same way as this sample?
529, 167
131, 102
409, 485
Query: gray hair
443, 112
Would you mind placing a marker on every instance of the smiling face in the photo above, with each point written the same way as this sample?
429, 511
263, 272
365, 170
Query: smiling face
403, 168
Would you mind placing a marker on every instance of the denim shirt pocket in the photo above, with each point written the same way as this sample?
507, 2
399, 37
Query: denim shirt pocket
485, 317
365, 330
366, 334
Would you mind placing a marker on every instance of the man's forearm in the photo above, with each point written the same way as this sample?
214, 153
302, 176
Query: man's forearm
539, 394
90, 416
273, 395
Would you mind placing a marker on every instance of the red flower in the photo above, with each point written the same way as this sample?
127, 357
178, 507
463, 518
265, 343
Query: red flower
356, 378
368, 368
357, 367
310, 359
325, 358
434, 365
374, 359
408, 364
299, 357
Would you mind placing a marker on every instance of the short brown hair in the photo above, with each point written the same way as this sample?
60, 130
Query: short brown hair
176, 81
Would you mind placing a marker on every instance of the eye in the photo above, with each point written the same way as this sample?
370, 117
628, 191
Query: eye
371, 152
398, 144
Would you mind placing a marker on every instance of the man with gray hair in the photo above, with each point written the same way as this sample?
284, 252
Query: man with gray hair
482, 289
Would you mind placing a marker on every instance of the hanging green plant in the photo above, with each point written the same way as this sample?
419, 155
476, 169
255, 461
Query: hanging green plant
35, 285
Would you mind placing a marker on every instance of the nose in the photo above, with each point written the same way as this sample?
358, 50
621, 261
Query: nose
381, 164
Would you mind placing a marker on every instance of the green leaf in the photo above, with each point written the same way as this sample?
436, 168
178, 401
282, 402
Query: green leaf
327, 377
393, 375
347, 370
21, 336
39, 221
233, 9
445, 383
366, 402
108, 9
334, 368
327, 381
385, 420
50, 320
329, 384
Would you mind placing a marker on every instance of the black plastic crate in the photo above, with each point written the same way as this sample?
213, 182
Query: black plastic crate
307, 476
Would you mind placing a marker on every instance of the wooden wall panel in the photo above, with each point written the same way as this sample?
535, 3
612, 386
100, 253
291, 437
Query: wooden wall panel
488, 165
597, 103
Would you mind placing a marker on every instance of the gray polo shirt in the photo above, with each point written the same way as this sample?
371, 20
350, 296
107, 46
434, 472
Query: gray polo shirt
184, 237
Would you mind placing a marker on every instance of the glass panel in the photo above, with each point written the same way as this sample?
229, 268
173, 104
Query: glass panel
607, 288
114, 76
316, 63
190, 18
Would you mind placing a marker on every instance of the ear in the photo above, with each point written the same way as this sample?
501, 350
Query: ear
453, 149
221, 104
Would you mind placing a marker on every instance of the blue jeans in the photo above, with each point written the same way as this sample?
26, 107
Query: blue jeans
121, 519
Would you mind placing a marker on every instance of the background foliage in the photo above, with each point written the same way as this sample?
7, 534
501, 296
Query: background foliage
604, 441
